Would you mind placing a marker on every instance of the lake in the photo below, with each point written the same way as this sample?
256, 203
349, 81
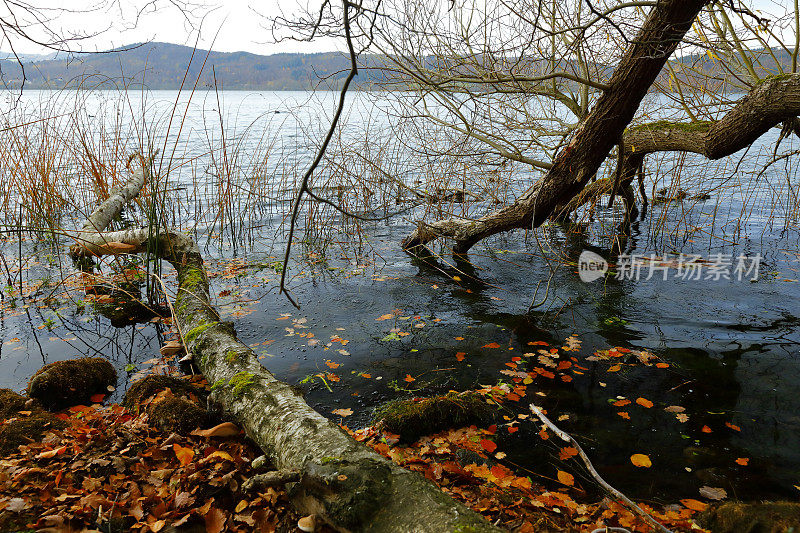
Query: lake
721, 355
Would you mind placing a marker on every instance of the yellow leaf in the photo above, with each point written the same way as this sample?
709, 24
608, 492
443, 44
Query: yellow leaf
226, 429
641, 460
566, 478
184, 455
241, 506
221, 455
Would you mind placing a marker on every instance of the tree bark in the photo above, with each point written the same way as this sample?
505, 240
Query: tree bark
343, 482
591, 142
773, 101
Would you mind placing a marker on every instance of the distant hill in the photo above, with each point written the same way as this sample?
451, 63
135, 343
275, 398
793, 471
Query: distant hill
163, 66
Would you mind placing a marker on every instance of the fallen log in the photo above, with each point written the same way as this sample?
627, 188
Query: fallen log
342, 482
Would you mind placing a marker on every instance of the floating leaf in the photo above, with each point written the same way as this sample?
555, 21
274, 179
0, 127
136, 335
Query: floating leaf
343, 412
409, 379
641, 460
705, 429
567, 452
488, 445
713, 493
565, 478
694, 505
644, 402
491, 345
674, 409
742, 461
460, 356
733, 426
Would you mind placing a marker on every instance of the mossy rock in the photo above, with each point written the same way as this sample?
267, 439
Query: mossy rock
152, 385
72, 382
11, 403
737, 517
177, 415
27, 429
412, 419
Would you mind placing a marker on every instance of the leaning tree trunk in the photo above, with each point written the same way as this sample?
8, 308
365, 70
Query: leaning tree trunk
341, 481
591, 142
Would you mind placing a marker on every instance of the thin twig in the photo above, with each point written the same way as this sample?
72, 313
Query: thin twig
566, 437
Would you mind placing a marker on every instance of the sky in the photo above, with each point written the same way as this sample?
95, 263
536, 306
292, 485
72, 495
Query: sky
228, 25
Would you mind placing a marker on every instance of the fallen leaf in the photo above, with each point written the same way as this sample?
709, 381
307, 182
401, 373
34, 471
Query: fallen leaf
491, 345
488, 445
644, 402
567, 452
713, 493
733, 426
641, 460
705, 429
97, 398
409, 379
184, 455
460, 356
222, 455
343, 412
694, 505
566, 478
674, 409
742, 461
215, 520
52, 453
226, 429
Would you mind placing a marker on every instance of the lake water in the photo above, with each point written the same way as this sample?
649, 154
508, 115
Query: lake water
732, 347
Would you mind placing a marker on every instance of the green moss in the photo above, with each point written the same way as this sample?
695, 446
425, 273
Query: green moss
232, 356
775, 77
192, 276
152, 385
412, 419
240, 382
72, 382
27, 429
698, 126
10, 403
197, 331
329, 459
769, 517
177, 415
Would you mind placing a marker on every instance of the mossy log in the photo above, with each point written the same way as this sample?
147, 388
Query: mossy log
342, 482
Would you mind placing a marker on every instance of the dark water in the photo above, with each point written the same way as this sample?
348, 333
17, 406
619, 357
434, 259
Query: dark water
732, 347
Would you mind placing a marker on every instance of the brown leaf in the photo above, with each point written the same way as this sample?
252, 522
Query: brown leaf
342, 412
713, 493
226, 429
215, 520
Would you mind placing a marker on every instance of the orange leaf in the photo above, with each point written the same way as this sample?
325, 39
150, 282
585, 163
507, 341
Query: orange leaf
705, 429
332, 365
694, 505
184, 455
460, 356
488, 445
662, 365
615, 368
385, 317
641, 460
565, 478
97, 398
624, 415
621, 403
409, 379
568, 452
733, 426
343, 412
491, 345
742, 461
644, 402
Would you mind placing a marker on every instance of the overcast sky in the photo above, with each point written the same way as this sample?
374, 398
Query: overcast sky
234, 23
230, 25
